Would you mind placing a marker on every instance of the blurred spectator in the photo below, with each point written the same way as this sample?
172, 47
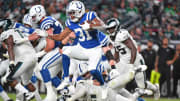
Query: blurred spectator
168, 31
156, 11
176, 71
132, 10
139, 33
149, 55
176, 35
164, 59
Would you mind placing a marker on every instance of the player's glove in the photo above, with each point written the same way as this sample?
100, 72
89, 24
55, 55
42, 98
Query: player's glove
12, 66
85, 26
41, 33
113, 73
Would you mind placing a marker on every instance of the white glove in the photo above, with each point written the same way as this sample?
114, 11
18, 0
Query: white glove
41, 33
85, 26
113, 73
40, 54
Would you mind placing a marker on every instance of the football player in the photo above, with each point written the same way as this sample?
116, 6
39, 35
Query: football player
51, 55
126, 52
85, 26
21, 57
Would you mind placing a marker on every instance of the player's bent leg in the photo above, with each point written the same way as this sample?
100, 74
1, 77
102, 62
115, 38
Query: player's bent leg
94, 61
121, 80
140, 79
51, 59
113, 96
154, 88
4, 95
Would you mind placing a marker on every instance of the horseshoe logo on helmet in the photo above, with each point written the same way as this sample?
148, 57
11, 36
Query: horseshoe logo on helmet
38, 10
79, 6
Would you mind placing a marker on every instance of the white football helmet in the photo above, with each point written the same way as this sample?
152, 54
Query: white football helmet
37, 12
75, 10
27, 20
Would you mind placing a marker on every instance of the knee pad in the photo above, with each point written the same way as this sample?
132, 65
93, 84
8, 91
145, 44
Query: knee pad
56, 81
33, 79
45, 75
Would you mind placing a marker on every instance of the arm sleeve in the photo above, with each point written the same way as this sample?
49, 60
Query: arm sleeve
91, 15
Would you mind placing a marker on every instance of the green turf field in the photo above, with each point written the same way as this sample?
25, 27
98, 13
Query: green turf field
146, 99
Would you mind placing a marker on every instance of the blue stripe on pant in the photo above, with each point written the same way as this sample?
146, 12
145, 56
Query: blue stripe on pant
45, 72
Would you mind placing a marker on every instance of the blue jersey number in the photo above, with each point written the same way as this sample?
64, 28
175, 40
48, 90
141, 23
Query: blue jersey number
83, 36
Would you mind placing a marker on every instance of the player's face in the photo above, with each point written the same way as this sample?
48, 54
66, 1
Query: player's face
111, 30
34, 18
72, 14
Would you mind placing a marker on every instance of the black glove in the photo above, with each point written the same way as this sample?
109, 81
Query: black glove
12, 66
113, 67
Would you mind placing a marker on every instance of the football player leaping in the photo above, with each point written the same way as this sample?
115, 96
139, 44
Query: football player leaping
126, 52
85, 26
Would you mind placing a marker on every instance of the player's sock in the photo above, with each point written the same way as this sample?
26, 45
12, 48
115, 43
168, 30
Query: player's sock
33, 79
150, 86
3, 94
56, 81
45, 75
97, 75
20, 88
66, 63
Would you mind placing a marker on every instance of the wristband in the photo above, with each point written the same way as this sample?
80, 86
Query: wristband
61, 46
12, 62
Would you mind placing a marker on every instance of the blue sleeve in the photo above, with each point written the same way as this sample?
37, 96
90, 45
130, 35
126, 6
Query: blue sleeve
31, 30
69, 24
46, 25
17, 25
91, 15
103, 39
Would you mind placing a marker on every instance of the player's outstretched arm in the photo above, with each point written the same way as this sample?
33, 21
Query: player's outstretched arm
133, 49
10, 46
97, 23
61, 36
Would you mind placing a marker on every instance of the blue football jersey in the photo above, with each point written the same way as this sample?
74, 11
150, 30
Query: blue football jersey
103, 39
50, 22
23, 29
87, 39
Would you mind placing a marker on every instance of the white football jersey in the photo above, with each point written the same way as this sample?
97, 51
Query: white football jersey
124, 51
20, 50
